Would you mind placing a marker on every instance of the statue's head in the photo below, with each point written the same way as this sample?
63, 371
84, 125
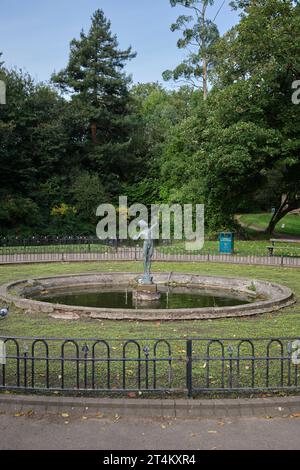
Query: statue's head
143, 224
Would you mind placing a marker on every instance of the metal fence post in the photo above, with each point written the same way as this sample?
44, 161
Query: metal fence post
189, 362
26, 349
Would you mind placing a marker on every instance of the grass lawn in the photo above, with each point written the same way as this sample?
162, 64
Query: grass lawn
256, 247
284, 323
291, 222
68, 248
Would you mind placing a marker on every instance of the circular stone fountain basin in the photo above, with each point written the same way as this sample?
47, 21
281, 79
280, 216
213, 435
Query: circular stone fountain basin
169, 298
247, 296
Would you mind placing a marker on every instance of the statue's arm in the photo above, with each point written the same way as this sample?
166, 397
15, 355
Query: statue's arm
152, 228
143, 234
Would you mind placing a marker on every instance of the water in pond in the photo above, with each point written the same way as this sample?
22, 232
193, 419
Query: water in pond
170, 299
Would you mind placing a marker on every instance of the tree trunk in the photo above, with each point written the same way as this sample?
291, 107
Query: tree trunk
203, 50
94, 132
204, 79
288, 204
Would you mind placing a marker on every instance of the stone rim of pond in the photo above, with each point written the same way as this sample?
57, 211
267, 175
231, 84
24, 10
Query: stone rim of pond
268, 296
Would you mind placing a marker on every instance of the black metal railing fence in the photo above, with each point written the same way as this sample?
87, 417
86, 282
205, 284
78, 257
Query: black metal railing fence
187, 365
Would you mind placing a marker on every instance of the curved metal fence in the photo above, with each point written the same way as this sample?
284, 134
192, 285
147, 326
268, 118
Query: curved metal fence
190, 366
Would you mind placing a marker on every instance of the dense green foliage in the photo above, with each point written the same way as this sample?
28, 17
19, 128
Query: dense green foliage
240, 150
91, 135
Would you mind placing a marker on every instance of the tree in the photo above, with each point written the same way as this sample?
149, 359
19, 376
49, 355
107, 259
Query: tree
95, 76
259, 56
247, 141
98, 86
159, 112
33, 144
198, 35
88, 194
179, 168
216, 158
48, 141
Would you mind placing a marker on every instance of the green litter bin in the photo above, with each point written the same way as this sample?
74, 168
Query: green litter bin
226, 240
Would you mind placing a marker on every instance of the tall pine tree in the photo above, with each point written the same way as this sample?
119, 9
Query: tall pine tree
98, 85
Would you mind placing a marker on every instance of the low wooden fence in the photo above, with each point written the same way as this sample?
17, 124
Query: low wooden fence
12, 255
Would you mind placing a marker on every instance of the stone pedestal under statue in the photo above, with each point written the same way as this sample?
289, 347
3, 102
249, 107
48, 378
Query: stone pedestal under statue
146, 293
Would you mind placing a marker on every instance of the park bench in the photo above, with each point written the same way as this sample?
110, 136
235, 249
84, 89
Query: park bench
274, 241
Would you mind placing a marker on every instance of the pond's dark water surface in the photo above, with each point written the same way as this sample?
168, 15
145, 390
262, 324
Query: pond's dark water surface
174, 298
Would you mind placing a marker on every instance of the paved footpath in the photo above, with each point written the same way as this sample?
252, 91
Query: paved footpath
94, 432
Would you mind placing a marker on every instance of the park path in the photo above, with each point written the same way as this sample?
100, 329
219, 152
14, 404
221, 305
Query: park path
257, 228
47, 432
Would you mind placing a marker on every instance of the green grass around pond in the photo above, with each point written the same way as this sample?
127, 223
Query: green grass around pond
291, 222
284, 323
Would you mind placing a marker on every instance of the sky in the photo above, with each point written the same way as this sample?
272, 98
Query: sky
35, 34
